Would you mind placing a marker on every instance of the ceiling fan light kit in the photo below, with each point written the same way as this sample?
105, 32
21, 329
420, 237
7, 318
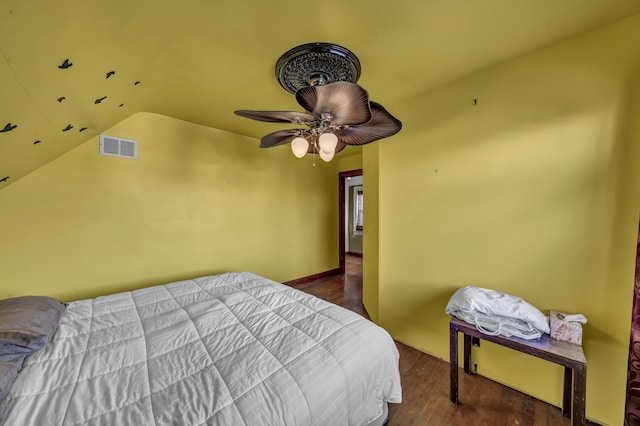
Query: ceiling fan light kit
338, 113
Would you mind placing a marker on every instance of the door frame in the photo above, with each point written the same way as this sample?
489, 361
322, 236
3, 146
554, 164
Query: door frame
342, 177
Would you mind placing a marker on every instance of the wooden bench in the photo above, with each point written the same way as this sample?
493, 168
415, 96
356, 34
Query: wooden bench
566, 354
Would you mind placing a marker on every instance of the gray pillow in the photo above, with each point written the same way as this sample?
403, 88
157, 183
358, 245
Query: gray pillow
28, 323
10, 365
26, 326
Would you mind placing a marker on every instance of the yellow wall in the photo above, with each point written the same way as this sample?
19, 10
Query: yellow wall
534, 191
370, 238
350, 159
197, 201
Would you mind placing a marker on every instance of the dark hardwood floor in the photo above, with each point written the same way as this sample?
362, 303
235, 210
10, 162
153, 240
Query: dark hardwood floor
425, 379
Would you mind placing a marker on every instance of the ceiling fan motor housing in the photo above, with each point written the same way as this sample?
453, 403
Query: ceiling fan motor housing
315, 64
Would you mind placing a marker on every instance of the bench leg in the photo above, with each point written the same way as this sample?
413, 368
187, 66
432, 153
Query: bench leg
453, 363
579, 395
574, 394
567, 392
467, 354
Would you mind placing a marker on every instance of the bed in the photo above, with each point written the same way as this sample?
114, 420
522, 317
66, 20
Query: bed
229, 349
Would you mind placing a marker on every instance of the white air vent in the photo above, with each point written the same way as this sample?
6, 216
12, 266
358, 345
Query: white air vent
118, 147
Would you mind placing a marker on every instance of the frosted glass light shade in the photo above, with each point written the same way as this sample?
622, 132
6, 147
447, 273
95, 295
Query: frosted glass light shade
326, 156
328, 142
299, 146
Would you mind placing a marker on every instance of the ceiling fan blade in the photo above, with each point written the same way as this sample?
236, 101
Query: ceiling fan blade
347, 103
382, 125
281, 137
277, 116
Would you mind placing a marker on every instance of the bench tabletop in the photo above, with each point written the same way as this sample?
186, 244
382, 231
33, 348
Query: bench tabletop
565, 353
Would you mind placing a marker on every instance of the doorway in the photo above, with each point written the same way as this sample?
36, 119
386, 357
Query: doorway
347, 216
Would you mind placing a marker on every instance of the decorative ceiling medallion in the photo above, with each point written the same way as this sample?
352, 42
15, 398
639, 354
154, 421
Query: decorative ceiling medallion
315, 64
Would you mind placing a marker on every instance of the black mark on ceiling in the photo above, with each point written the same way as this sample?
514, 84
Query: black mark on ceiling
37, 142
110, 73
99, 100
4, 179
82, 129
61, 98
475, 102
69, 127
9, 127
120, 106
66, 64
136, 83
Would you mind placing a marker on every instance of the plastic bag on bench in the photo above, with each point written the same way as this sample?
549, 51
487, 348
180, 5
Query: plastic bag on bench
493, 312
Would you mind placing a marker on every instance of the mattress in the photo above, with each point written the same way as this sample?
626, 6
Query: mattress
230, 349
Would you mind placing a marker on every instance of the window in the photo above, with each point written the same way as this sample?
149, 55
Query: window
357, 208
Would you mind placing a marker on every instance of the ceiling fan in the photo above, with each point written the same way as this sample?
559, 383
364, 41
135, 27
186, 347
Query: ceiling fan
338, 111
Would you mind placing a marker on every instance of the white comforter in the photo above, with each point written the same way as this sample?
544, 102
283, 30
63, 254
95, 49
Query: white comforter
231, 349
